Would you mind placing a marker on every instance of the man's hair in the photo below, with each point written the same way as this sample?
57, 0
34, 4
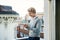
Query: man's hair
31, 9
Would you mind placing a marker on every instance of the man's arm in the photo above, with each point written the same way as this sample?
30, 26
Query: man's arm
24, 31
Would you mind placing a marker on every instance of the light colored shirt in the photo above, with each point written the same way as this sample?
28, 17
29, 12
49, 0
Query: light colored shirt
34, 32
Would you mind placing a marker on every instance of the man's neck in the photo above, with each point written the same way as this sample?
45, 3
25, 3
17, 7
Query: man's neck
33, 16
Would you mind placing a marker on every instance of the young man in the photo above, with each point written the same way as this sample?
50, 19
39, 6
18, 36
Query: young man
33, 25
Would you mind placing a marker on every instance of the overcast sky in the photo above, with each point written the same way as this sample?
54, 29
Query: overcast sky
21, 6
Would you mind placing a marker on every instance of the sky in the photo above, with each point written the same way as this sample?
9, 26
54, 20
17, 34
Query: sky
21, 6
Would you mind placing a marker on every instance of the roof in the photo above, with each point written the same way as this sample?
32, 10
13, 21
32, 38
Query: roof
5, 8
9, 12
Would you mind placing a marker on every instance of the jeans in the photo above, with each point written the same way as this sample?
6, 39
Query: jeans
34, 38
23, 39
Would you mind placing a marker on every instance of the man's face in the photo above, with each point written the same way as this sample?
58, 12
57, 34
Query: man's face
32, 14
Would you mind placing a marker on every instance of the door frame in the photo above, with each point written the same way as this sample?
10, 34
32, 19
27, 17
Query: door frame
49, 22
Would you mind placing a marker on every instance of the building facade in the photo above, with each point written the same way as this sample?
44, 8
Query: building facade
7, 23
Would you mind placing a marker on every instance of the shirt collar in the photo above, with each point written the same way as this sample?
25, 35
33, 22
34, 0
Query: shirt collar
34, 17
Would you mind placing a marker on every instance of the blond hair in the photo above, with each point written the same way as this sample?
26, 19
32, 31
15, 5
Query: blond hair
31, 9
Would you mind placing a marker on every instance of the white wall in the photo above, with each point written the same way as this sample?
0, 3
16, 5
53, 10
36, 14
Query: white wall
46, 20
52, 20
49, 22
7, 33
2, 31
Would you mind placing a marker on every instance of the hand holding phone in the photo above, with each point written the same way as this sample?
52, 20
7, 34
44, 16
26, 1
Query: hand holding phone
25, 25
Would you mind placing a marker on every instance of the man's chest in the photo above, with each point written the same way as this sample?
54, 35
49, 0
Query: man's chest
32, 23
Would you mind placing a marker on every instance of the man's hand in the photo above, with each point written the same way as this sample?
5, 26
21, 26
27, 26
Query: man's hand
24, 31
25, 25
